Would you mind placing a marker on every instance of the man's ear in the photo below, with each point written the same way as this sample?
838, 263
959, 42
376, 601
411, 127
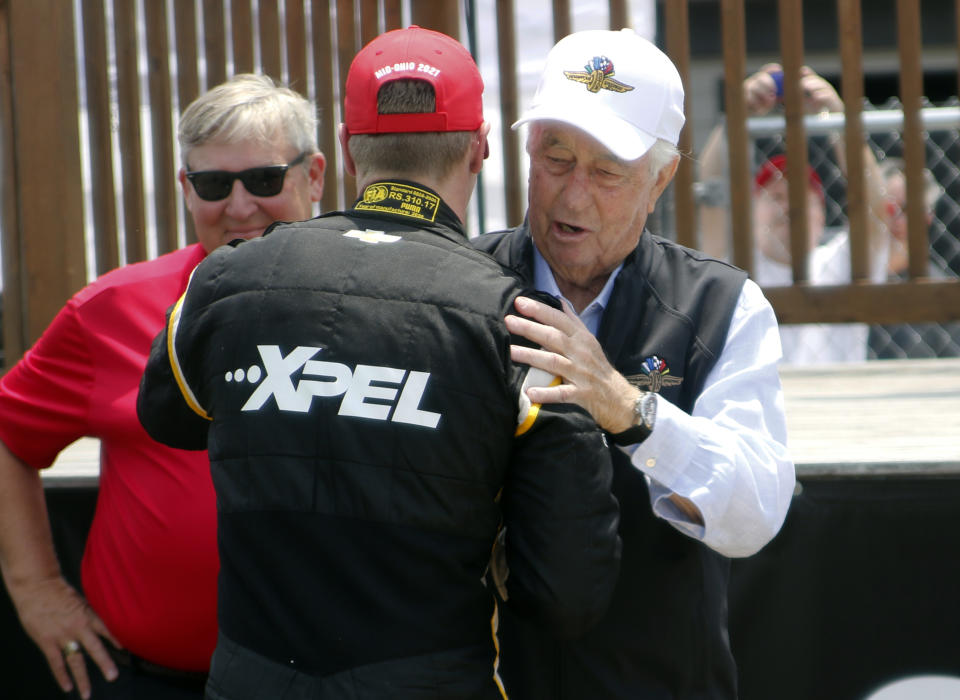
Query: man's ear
318, 166
344, 135
480, 148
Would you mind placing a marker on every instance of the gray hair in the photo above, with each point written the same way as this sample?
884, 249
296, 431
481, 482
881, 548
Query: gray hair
892, 166
248, 107
660, 155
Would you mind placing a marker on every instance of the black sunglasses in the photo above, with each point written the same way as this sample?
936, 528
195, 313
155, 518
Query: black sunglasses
265, 181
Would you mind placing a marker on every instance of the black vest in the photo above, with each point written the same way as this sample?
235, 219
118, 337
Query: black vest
665, 633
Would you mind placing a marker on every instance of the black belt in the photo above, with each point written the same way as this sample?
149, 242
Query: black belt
122, 657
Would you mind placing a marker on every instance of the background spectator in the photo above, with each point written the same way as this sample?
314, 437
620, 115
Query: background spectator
829, 253
910, 340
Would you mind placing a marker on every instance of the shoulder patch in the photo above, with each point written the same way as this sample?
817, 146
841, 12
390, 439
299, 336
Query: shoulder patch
528, 412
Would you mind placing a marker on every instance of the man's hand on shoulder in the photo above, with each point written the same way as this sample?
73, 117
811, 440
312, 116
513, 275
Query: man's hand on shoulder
570, 351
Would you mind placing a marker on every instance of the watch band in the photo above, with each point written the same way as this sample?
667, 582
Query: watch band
644, 415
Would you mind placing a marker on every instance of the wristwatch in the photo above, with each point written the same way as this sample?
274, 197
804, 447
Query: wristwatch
644, 416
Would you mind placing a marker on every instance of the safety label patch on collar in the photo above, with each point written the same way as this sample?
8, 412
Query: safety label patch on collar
598, 75
399, 198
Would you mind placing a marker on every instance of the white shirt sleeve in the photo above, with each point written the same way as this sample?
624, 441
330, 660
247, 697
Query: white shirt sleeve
730, 456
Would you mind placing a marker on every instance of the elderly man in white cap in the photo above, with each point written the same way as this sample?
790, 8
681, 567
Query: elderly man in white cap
675, 356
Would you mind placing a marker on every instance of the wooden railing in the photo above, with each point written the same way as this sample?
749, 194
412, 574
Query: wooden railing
918, 298
42, 197
191, 45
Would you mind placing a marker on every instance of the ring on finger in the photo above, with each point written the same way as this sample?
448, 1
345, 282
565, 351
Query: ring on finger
71, 647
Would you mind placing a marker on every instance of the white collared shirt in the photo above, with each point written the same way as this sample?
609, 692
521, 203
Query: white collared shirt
828, 263
729, 456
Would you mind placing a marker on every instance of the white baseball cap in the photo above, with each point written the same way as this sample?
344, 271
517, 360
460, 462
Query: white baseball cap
616, 86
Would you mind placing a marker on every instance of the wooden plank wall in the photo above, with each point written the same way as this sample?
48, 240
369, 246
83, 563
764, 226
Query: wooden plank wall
190, 45
43, 249
193, 44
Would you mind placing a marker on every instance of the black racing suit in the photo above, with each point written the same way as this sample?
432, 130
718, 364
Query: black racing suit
368, 435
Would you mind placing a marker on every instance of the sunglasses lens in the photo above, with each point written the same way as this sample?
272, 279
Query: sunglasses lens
264, 182
212, 185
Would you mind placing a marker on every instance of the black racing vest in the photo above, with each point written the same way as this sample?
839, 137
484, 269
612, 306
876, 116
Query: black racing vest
665, 633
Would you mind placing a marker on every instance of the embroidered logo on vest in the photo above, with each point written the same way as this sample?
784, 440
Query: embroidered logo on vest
655, 375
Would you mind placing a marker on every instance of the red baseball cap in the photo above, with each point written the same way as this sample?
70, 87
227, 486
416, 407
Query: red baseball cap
778, 166
419, 54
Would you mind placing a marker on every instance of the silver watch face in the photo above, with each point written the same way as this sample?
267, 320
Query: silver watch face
648, 409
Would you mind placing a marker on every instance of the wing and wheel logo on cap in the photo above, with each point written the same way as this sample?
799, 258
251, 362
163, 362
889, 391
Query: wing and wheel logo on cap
598, 75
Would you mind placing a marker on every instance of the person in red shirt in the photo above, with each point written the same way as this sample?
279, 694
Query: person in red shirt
147, 613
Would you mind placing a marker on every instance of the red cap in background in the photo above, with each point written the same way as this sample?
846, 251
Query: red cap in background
777, 166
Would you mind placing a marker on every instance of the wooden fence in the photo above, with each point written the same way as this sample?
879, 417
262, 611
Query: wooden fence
310, 43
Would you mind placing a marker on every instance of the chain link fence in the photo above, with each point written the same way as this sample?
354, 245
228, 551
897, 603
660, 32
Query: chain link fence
942, 156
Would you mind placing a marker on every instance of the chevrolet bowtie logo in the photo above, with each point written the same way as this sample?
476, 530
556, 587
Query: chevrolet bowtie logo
370, 236
598, 76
